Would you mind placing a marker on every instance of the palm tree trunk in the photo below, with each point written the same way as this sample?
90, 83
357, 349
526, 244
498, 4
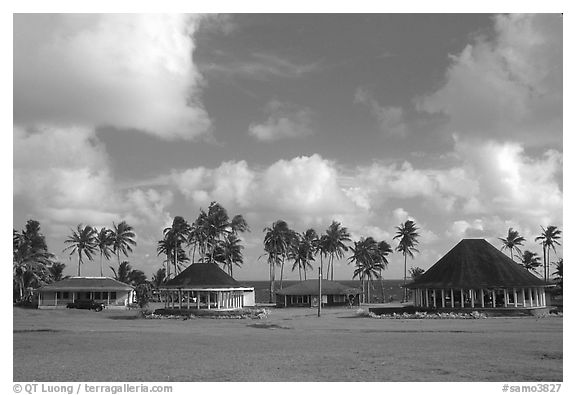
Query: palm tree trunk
332, 271
101, 268
300, 271
544, 253
281, 272
405, 294
79, 263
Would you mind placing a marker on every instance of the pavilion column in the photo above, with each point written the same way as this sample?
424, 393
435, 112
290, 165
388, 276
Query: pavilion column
515, 297
56, 298
530, 297
208, 294
543, 293
461, 298
218, 297
472, 298
427, 298
482, 297
523, 298
180, 298
188, 300
493, 298
452, 297
443, 298
434, 297
505, 297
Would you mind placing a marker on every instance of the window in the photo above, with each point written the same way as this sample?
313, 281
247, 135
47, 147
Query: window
112, 295
97, 295
65, 295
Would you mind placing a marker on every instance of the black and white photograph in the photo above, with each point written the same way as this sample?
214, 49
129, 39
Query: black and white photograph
287, 197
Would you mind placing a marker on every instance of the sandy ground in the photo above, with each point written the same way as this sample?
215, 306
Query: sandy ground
289, 345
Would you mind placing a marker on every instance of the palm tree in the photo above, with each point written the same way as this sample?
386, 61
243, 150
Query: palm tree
530, 260
159, 277
336, 236
171, 245
512, 241
30, 261
549, 239
303, 252
408, 239
369, 261
83, 242
104, 242
127, 275
276, 245
56, 269
229, 253
122, 239
559, 274
416, 272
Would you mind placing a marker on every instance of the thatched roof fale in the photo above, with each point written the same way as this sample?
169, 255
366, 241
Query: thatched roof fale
473, 264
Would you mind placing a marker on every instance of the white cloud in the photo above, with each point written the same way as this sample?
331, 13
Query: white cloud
284, 121
122, 70
510, 85
391, 119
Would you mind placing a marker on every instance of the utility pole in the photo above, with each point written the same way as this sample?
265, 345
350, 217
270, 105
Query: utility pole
319, 290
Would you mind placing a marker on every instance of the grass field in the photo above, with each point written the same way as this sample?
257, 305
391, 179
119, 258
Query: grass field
288, 345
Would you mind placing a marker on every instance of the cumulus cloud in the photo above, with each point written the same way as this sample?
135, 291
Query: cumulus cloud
284, 121
509, 85
78, 186
122, 70
391, 119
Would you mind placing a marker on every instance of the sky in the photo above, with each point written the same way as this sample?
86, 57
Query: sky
451, 120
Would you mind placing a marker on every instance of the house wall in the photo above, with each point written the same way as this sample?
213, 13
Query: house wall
312, 300
60, 299
249, 298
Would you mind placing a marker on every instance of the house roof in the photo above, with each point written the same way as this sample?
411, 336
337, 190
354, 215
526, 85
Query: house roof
87, 284
202, 275
475, 263
310, 287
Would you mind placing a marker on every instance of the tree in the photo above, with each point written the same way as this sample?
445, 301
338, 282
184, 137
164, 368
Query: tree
530, 260
303, 252
174, 237
408, 239
143, 294
416, 272
159, 277
276, 245
122, 239
30, 259
83, 242
104, 240
512, 241
549, 239
56, 269
559, 274
369, 259
127, 275
336, 237
229, 253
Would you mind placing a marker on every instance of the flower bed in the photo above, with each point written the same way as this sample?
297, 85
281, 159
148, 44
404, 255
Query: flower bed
425, 315
215, 314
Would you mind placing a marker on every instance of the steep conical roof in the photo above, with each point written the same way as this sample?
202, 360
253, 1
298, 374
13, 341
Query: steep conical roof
203, 275
475, 263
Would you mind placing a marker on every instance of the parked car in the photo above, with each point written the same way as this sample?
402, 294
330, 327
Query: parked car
86, 304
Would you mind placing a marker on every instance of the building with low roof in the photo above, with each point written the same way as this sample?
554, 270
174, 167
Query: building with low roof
305, 294
475, 274
113, 293
206, 286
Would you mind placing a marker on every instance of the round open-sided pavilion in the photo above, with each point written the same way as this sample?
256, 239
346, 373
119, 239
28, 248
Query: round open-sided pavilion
205, 286
475, 274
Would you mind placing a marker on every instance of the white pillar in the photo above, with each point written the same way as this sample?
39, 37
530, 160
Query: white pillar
493, 298
472, 298
434, 297
427, 298
515, 297
443, 298
452, 297
543, 293
461, 298
482, 297
530, 299
56, 298
505, 297
208, 294
523, 298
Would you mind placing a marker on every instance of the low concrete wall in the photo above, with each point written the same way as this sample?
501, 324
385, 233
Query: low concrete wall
494, 312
